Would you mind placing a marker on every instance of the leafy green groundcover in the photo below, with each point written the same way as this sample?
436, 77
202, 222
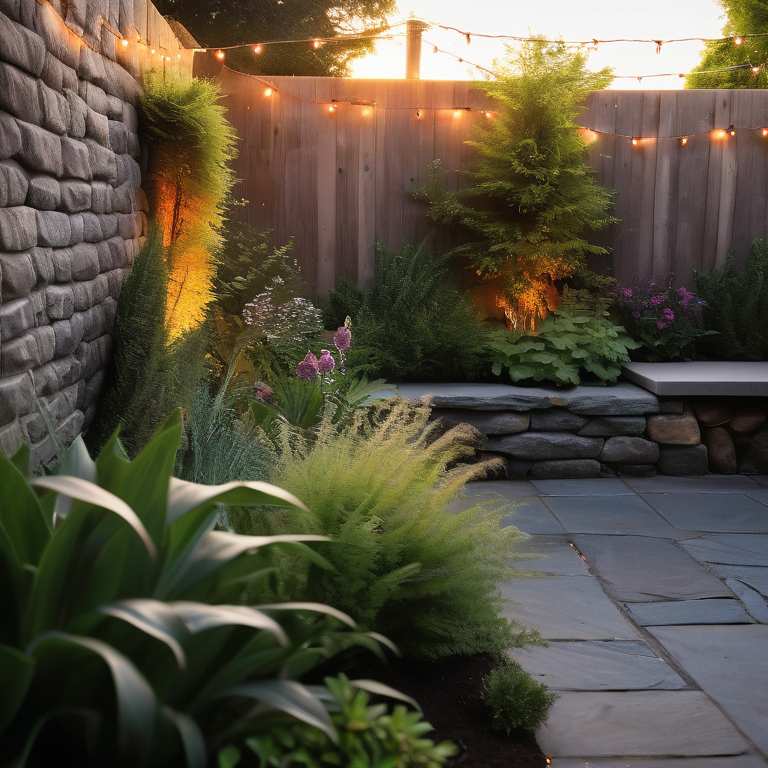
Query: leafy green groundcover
122, 642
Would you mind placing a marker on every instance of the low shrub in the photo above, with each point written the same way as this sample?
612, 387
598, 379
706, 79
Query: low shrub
664, 318
515, 699
575, 343
738, 307
402, 565
371, 737
413, 324
124, 640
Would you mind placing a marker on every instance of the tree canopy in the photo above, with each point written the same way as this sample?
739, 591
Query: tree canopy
221, 23
743, 17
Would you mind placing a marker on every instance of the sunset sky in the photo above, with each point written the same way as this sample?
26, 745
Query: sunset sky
601, 19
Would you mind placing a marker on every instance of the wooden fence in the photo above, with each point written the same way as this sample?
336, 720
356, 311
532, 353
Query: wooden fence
335, 180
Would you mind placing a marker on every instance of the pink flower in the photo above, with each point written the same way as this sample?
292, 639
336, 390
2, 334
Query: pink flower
661, 325
627, 293
656, 300
326, 363
669, 314
342, 339
307, 368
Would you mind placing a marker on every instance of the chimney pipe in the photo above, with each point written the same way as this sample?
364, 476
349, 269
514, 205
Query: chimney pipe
413, 30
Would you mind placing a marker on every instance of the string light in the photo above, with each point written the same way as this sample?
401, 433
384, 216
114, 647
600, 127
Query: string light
684, 141
257, 49
317, 43
457, 113
731, 130
765, 131
153, 51
124, 43
220, 55
738, 40
756, 70
418, 113
635, 141
268, 92
720, 134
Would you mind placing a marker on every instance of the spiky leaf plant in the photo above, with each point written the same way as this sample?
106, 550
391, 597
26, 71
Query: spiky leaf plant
403, 565
124, 641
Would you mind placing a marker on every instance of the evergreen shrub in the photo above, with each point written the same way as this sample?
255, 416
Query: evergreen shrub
515, 699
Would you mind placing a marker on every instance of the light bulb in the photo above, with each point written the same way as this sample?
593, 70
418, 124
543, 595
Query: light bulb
755, 70
125, 43
488, 115
684, 140
257, 49
317, 43
220, 55
153, 51
418, 113
268, 92
457, 113
634, 141
765, 131
737, 40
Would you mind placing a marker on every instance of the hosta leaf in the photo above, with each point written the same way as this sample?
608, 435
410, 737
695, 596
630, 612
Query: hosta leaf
154, 618
313, 608
379, 689
289, 697
136, 704
90, 493
16, 672
183, 496
76, 463
191, 737
198, 617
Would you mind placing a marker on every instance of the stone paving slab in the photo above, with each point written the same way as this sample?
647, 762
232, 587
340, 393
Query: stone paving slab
639, 723
760, 494
706, 378
703, 484
735, 513
549, 555
639, 569
677, 612
760, 479
752, 600
622, 515
615, 665
732, 761
583, 487
753, 575
729, 549
565, 608
509, 489
529, 515
730, 663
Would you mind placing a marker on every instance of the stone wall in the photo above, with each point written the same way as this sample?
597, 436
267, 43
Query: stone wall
544, 433
72, 212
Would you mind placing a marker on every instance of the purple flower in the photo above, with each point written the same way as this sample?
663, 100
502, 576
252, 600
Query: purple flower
627, 293
656, 300
342, 339
326, 363
661, 325
307, 368
636, 313
669, 314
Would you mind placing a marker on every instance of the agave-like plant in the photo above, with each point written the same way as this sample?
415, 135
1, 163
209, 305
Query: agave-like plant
121, 638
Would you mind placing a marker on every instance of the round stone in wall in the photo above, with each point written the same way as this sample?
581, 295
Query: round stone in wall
629, 450
671, 429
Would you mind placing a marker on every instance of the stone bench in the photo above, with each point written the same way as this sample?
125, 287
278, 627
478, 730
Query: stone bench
710, 378
545, 432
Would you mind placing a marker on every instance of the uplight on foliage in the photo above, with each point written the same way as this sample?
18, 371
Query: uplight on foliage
190, 144
531, 197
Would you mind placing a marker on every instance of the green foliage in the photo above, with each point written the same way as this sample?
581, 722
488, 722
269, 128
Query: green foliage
743, 17
402, 564
532, 196
664, 318
221, 23
344, 302
576, 342
515, 699
414, 324
148, 375
738, 307
123, 642
370, 736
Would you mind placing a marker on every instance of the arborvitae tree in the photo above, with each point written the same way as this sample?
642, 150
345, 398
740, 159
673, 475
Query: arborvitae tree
743, 17
533, 196
236, 22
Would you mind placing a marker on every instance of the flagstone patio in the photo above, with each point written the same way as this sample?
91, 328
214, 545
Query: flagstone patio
652, 594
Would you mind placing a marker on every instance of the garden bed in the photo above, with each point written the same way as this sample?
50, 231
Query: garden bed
551, 433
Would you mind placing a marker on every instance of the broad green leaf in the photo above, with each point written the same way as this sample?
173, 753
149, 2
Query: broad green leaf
154, 618
20, 460
16, 672
496, 368
312, 607
90, 493
183, 496
379, 689
76, 463
289, 697
191, 737
14, 591
136, 704
518, 372
21, 516
198, 617
229, 757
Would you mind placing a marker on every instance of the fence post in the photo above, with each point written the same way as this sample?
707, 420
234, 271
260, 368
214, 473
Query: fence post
413, 30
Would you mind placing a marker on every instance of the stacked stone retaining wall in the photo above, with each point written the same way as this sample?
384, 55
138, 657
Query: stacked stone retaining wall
592, 431
72, 212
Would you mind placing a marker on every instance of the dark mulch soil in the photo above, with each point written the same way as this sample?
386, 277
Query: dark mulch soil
449, 692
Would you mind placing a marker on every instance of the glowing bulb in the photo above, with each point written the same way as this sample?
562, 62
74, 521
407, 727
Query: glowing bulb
755, 70
220, 55
634, 141
125, 43
257, 49
765, 131
738, 40
457, 113
720, 134
153, 51
488, 115
178, 57
317, 43
332, 108
167, 58
684, 140
268, 92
